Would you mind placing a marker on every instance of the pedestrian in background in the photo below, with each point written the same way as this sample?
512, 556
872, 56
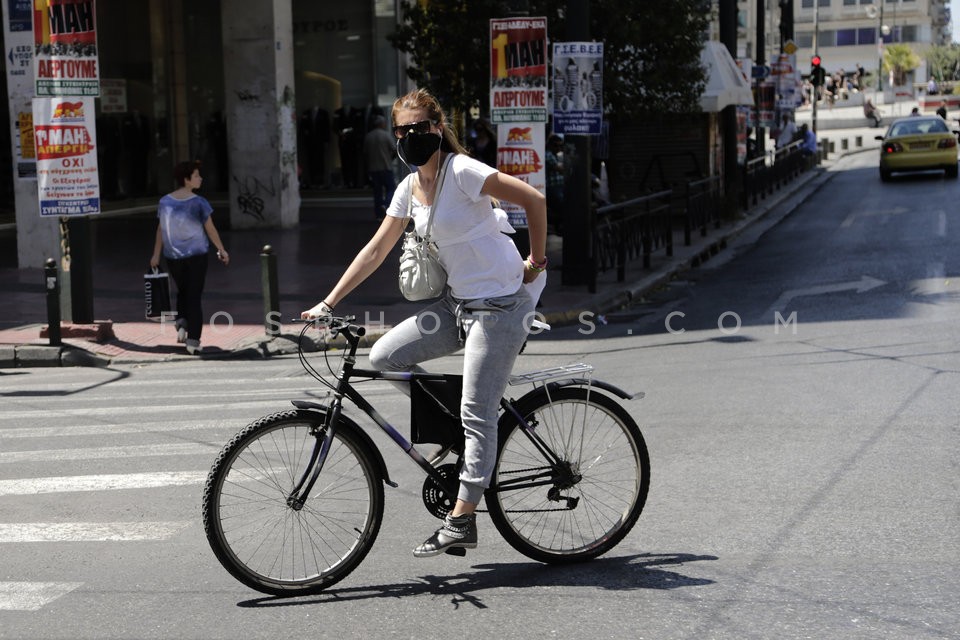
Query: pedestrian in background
484, 307
378, 151
788, 131
942, 109
808, 146
870, 111
184, 235
483, 144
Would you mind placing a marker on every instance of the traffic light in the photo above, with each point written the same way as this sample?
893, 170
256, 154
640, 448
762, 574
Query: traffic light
817, 73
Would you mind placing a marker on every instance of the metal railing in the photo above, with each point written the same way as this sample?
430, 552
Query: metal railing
764, 175
630, 229
702, 207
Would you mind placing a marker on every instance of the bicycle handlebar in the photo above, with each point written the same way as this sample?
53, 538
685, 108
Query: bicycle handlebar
338, 324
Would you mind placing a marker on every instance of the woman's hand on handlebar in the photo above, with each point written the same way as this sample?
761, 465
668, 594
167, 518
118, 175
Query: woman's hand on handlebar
321, 311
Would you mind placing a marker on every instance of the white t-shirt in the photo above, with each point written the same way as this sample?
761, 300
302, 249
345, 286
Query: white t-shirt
481, 262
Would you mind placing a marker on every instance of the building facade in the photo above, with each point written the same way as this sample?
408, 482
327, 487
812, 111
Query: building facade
846, 33
229, 82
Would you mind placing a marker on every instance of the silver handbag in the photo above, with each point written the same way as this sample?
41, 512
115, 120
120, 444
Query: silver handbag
422, 277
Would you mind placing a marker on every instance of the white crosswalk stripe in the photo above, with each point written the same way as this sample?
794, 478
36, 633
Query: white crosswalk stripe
88, 531
103, 482
105, 453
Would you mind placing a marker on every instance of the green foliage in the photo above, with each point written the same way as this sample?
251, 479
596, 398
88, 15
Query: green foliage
902, 59
651, 50
944, 62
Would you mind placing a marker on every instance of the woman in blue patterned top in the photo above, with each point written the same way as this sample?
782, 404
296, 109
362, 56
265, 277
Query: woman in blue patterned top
184, 235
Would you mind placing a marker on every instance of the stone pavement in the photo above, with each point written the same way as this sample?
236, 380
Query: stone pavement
310, 258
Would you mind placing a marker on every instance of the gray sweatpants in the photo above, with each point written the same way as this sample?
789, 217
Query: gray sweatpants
491, 332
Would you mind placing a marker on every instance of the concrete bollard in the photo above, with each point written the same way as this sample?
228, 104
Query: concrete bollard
52, 285
271, 294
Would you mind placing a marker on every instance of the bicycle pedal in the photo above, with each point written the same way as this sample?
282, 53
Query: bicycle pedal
456, 551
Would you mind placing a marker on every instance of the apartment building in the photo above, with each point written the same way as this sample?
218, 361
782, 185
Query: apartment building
848, 32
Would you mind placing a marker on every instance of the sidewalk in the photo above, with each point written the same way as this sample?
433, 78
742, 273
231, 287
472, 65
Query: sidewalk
310, 259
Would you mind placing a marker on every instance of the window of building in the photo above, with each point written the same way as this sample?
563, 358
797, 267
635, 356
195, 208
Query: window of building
846, 37
866, 36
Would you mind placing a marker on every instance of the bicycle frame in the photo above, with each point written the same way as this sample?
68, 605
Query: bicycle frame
555, 473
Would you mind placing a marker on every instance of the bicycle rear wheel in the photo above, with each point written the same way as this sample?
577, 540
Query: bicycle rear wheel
584, 505
271, 546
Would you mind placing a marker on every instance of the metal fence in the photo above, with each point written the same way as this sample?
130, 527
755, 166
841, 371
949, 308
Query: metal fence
634, 229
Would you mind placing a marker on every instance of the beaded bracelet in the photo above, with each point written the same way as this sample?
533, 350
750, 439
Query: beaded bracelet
536, 267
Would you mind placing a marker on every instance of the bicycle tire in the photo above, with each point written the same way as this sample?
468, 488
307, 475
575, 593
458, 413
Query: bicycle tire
267, 544
600, 441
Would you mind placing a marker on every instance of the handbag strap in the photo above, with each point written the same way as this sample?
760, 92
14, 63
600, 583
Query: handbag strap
436, 196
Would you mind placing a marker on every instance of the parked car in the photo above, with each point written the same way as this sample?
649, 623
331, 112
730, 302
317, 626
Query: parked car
918, 143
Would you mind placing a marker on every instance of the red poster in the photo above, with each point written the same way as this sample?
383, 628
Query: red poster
518, 70
65, 46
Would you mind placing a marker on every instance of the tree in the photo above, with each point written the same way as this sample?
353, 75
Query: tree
944, 62
902, 60
651, 52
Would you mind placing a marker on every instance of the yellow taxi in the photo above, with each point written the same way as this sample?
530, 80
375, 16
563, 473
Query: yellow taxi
918, 143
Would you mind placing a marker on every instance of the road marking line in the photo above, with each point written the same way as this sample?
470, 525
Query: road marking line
104, 453
139, 410
31, 596
110, 429
88, 531
865, 283
105, 482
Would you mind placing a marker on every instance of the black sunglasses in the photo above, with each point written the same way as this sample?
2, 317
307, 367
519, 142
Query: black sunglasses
401, 130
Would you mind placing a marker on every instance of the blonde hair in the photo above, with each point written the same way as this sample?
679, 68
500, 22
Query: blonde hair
423, 99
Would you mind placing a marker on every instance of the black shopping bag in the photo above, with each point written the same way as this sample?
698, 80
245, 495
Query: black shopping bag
156, 294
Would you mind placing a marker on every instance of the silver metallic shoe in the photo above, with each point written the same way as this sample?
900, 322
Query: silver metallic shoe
457, 534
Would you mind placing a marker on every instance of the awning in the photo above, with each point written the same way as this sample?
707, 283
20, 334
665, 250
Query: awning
725, 82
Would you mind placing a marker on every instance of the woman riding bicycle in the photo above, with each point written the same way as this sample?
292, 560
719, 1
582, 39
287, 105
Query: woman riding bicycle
485, 310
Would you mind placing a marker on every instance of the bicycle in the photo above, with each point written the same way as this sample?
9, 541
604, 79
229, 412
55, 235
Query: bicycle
294, 501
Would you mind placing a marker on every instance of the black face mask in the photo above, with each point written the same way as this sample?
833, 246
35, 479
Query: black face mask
417, 148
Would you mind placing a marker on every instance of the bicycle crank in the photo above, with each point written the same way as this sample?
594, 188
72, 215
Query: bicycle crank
437, 502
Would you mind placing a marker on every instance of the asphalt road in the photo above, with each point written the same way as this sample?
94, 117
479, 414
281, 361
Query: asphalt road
804, 469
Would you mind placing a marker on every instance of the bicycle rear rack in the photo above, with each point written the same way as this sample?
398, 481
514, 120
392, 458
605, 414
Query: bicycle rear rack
550, 373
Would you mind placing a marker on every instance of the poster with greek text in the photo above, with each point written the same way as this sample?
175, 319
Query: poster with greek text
520, 153
577, 87
65, 48
518, 70
19, 67
65, 139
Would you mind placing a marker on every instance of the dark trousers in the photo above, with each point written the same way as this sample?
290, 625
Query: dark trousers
189, 274
383, 187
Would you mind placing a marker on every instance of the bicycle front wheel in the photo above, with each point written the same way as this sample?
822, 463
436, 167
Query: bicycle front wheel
583, 505
280, 548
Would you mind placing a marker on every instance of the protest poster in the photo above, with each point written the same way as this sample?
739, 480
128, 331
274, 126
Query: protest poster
518, 70
577, 87
64, 134
520, 153
65, 58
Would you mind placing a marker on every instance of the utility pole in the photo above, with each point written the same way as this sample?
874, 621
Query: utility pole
577, 203
816, 52
728, 116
